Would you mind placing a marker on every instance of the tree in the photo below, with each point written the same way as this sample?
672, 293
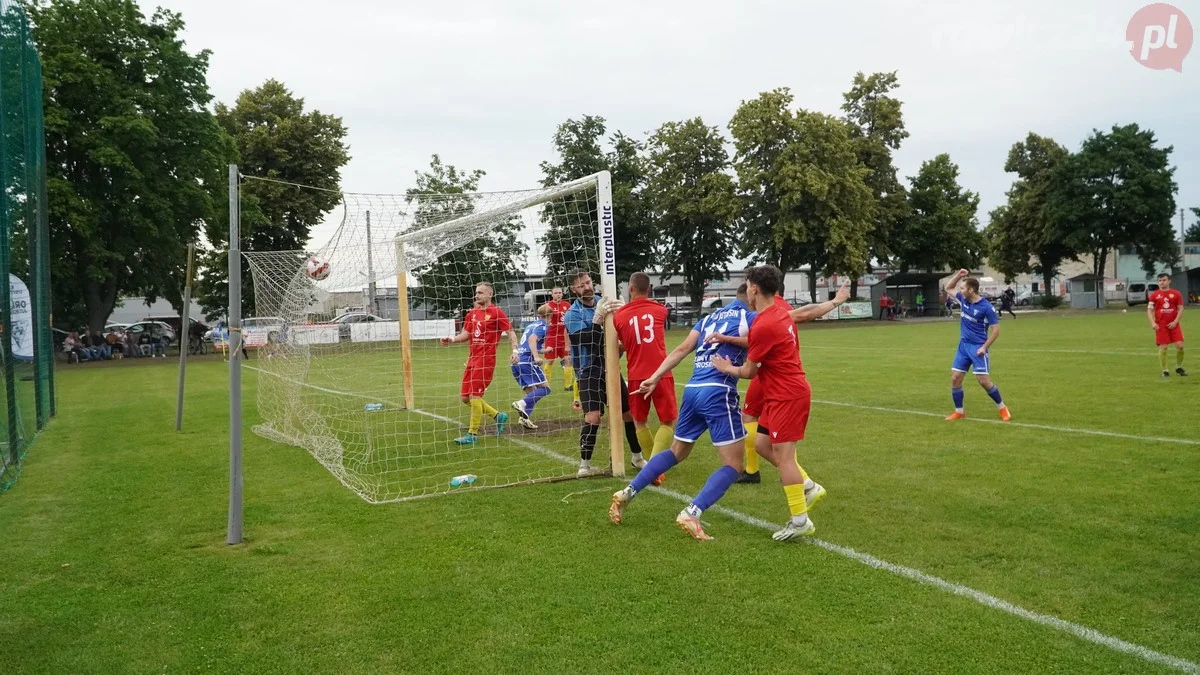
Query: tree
694, 200
877, 124
943, 228
1118, 190
132, 152
1024, 234
1192, 234
495, 256
806, 200
276, 139
579, 147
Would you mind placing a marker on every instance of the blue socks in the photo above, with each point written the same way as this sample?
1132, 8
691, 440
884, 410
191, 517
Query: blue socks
658, 465
715, 487
994, 392
957, 394
531, 399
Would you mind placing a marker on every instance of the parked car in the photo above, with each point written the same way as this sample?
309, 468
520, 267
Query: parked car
157, 330
1138, 293
344, 321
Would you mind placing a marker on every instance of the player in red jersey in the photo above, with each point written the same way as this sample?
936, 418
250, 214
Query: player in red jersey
558, 345
640, 328
482, 327
786, 396
1164, 308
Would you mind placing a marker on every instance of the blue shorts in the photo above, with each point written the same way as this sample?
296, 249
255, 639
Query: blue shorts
713, 409
528, 374
966, 358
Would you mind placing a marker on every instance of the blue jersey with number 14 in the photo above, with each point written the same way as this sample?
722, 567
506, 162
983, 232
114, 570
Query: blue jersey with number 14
732, 321
538, 328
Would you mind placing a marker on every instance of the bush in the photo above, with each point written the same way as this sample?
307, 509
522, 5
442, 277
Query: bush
1048, 301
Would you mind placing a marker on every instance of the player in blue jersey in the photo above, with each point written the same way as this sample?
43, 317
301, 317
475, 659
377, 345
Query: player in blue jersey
710, 403
527, 368
980, 326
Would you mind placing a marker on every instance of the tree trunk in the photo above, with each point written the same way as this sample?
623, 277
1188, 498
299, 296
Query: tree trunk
99, 300
1046, 281
1100, 261
812, 285
854, 288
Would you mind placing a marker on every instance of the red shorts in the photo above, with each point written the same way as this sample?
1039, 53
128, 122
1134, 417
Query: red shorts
786, 420
556, 351
1168, 336
476, 379
753, 404
663, 398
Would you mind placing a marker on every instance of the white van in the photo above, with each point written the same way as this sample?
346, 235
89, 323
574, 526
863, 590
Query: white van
1139, 292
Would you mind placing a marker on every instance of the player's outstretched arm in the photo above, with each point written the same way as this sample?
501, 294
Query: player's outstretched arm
673, 359
813, 312
746, 371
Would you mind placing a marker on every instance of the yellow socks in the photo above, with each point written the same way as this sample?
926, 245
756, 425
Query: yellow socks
751, 455
1162, 358
1179, 357
476, 415
663, 438
569, 379
795, 499
479, 407
645, 440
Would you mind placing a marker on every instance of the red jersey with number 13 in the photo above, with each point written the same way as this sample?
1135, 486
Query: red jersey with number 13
773, 346
1166, 306
641, 328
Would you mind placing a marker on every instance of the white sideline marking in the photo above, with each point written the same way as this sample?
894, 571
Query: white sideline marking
1025, 425
1080, 631
1047, 620
1020, 350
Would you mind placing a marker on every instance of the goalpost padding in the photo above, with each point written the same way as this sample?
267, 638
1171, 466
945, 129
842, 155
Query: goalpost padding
377, 402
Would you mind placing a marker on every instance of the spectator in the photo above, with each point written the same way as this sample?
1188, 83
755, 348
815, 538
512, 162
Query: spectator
73, 347
884, 304
99, 345
116, 346
920, 302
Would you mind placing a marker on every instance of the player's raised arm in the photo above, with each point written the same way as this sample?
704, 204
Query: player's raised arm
813, 312
952, 285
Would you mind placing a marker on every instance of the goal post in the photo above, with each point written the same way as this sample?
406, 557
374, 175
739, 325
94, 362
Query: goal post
376, 399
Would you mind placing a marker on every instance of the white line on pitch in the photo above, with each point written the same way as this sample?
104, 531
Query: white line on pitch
1002, 349
1025, 425
1080, 631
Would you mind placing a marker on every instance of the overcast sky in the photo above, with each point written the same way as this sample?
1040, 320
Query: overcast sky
485, 83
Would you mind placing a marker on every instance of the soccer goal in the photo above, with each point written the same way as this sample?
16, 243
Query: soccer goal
346, 339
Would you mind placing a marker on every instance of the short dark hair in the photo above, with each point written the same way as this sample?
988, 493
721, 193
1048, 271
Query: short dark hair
1163, 274
742, 289
577, 274
768, 278
639, 282
972, 284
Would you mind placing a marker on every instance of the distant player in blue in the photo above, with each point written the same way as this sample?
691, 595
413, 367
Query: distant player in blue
710, 403
980, 326
527, 368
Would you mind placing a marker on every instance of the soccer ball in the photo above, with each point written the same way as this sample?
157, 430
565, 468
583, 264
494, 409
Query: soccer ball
317, 268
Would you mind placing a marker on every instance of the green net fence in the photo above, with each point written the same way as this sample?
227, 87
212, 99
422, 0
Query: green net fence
26, 340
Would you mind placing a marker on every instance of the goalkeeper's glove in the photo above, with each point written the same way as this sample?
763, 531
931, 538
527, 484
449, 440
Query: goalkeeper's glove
604, 308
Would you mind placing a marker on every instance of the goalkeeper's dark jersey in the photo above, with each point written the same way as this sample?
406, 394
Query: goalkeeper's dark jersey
587, 338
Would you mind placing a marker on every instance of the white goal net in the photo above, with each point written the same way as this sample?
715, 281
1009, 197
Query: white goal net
345, 340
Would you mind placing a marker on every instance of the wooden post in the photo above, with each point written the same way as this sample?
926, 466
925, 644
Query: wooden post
402, 313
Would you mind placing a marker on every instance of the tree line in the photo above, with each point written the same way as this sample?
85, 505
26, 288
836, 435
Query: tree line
136, 156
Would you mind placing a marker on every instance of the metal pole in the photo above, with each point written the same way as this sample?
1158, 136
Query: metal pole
234, 534
185, 328
370, 272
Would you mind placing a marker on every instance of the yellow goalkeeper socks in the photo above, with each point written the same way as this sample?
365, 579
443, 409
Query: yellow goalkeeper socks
645, 440
569, 379
751, 455
795, 499
663, 438
1162, 358
476, 415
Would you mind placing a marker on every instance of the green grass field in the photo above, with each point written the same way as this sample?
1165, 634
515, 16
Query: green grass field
1085, 510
